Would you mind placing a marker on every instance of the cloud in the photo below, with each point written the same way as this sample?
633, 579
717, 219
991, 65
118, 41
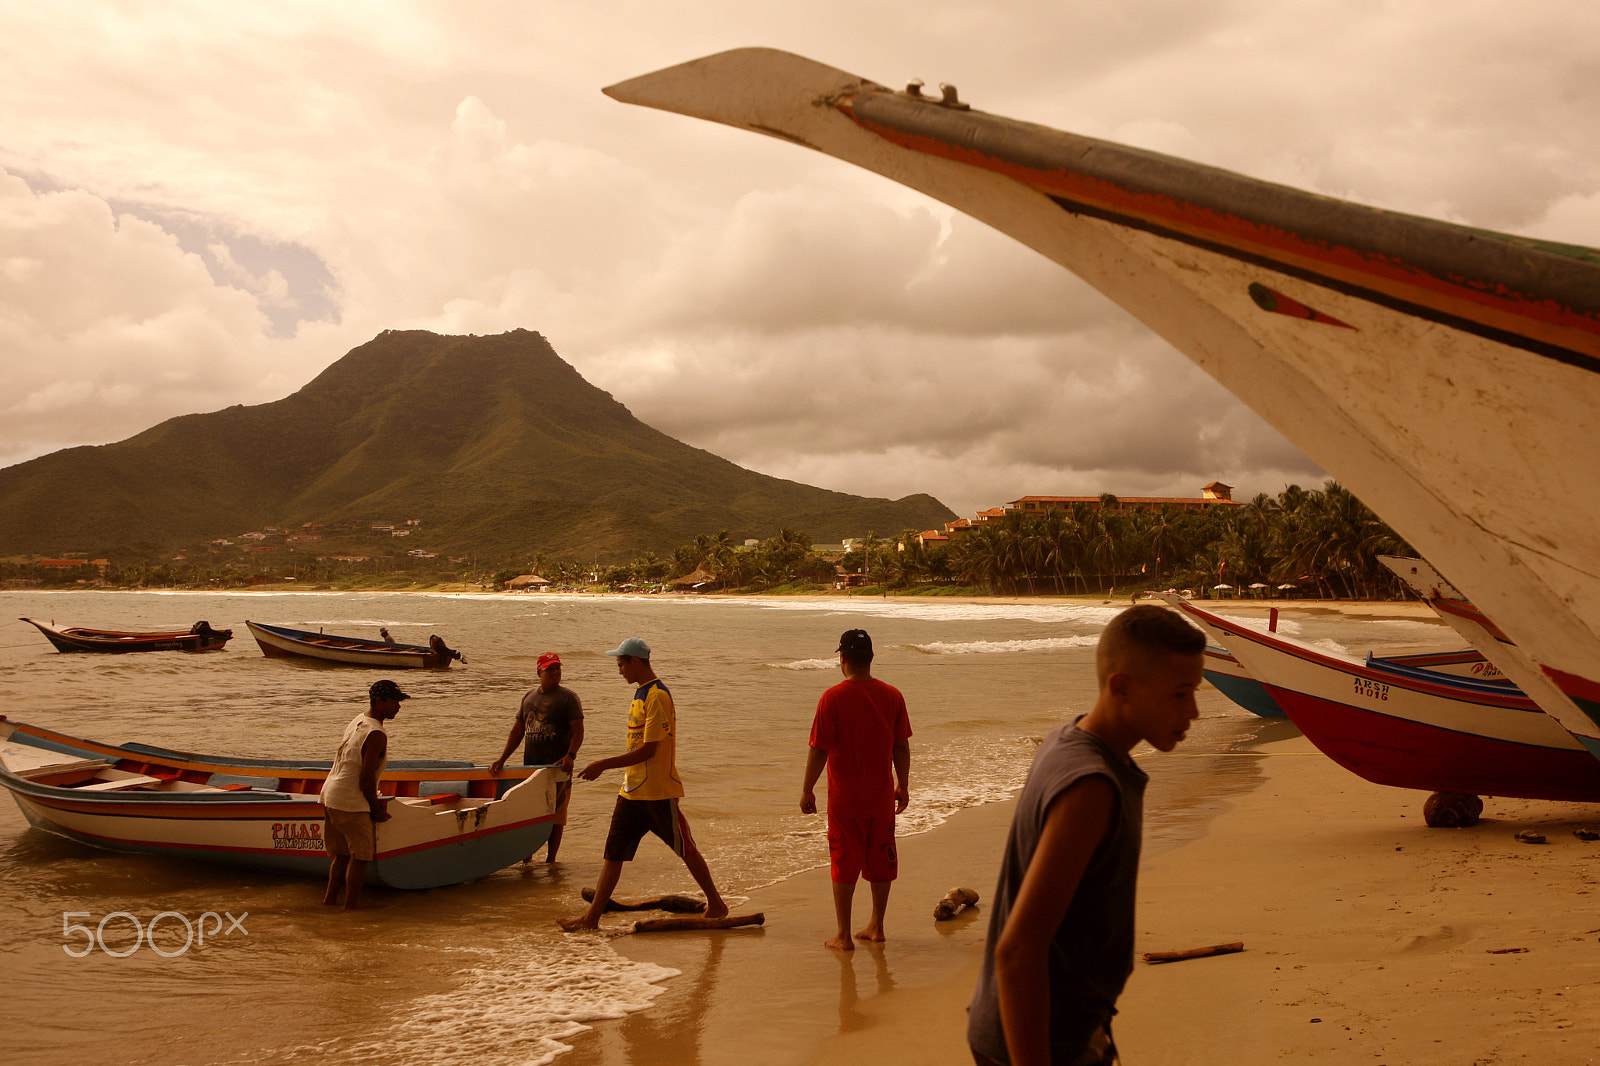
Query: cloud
414, 164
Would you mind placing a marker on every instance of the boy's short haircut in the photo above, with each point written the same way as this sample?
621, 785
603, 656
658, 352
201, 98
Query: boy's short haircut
1142, 629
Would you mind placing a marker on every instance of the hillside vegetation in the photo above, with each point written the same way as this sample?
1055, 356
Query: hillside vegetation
493, 445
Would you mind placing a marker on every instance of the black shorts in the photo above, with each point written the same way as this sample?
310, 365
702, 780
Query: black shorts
632, 819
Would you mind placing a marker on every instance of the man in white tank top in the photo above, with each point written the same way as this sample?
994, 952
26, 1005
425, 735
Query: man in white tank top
350, 794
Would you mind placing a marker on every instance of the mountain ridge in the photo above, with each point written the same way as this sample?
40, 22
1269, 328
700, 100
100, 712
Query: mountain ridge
495, 443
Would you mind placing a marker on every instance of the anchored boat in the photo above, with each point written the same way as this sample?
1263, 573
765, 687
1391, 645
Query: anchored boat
198, 637
281, 642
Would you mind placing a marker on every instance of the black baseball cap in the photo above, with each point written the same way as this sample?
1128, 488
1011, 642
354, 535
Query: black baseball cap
386, 690
855, 642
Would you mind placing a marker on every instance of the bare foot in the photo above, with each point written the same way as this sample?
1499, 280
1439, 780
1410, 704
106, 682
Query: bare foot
572, 925
873, 934
718, 911
840, 943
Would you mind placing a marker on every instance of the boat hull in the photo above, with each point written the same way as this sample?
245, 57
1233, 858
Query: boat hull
79, 639
1235, 682
277, 642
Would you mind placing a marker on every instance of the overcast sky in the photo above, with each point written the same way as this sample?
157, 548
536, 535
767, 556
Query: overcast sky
205, 203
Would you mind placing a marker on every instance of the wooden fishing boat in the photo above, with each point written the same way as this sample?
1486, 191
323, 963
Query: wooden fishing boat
198, 637
1397, 725
450, 822
1394, 350
281, 642
1230, 677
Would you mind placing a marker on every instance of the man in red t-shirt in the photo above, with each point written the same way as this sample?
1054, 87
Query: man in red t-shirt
860, 734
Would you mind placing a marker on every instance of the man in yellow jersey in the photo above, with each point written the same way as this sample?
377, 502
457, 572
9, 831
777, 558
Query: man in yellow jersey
651, 788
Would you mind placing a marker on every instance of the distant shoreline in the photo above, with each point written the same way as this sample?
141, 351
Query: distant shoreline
1390, 608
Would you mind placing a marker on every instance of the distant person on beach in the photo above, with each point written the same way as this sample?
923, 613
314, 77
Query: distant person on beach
651, 788
1060, 944
861, 733
551, 719
350, 794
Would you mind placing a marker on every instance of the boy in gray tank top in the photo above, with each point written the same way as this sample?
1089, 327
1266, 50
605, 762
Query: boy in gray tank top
1060, 943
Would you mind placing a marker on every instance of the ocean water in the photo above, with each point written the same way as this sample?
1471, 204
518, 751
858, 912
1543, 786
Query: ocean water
473, 973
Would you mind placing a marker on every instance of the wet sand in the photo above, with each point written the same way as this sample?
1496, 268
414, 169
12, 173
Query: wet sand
1369, 939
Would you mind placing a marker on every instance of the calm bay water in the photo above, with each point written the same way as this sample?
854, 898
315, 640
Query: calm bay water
473, 973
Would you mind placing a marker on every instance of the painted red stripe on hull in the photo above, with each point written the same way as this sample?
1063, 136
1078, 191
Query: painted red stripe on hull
1407, 754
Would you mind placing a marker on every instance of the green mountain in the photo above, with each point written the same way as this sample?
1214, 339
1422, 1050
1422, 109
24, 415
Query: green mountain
495, 443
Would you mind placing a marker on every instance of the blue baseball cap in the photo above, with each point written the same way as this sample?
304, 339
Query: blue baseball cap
633, 647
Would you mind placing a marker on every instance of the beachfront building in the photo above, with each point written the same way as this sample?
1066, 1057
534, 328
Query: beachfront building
1215, 494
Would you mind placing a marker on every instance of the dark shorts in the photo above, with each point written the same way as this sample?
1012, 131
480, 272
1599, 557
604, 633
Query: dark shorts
862, 847
1101, 1051
632, 819
351, 833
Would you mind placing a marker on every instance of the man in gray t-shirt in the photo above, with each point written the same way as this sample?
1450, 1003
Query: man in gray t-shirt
551, 720
1060, 941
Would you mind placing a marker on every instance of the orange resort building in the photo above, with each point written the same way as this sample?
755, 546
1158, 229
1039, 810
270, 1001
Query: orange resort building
1215, 494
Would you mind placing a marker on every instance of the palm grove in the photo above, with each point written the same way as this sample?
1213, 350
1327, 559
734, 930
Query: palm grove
1323, 542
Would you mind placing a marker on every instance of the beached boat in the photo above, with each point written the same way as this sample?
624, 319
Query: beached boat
281, 642
198, 637
449, 823
1394, 350
1230, 677
1398, 725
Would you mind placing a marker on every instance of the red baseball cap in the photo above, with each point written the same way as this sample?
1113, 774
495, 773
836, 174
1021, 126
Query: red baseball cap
549, 658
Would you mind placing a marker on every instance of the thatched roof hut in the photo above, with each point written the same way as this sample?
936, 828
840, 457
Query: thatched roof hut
699, 580
523, 581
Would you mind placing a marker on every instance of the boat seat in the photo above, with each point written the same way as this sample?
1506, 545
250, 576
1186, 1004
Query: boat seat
136, 781
79, 766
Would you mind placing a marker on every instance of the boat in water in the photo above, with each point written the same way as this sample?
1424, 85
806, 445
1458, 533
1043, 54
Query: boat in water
1398, 725
450, 822
198, 637
282, 642
1449, 376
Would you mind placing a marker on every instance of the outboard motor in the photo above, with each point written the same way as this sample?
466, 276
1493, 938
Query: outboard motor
444, 651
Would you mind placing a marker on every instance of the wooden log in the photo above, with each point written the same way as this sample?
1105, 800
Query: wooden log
672, 903
673, 925
955, 901
1193, 953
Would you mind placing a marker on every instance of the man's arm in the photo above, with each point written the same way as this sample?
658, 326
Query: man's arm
1074, 826
518, 730
816, 759
600, 766
373, 749
902, 775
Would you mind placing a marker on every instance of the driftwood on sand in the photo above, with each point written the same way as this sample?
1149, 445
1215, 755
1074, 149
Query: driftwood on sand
671, 925
1193, 953
955, 901
672, 903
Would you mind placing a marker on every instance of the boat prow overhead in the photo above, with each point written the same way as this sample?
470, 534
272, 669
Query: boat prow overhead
1394, 350
198, 637
282, 642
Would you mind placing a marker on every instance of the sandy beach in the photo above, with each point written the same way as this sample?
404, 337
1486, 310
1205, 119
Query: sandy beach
1369, 939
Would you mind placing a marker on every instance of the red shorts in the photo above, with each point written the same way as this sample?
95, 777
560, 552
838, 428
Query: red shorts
862, 847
